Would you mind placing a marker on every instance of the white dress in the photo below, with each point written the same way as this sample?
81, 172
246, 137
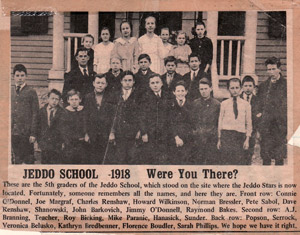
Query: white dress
155, 49
102, 57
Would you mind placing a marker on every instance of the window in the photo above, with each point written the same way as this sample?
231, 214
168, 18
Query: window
29, 23
231, 23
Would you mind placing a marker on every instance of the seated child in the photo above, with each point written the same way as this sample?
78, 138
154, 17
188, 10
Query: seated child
50, 123
235, 126
74, 131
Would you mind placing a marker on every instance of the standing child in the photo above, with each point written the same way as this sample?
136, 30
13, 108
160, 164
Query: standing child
103, 52
114, 75
154, 122
248, 85
126, 48
235, 126
165, 36
202, 46
74, 131
180, 126
143, 74
205, 117
24, 118
50, 123
125, 126
152, 45
170, 77
181, 52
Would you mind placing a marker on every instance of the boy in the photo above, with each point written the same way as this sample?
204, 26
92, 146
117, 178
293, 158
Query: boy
100, 111
205, 117
50, 139
235, 126
272, 112
143, 74
74, 130
154, 122
114, 75
125, 128
248, 85
192, 78
24, 117
79, 78
180, 126
170, 77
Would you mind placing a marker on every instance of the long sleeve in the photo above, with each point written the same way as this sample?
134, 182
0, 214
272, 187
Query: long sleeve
248, 121
35, 112
220, 125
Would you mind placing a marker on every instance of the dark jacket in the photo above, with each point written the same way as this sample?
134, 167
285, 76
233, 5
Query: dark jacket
49, 137
170, 88
76, 80
126, 121
154, 116
272, 105
24, 112
114, 83
180, 120
204, 48
205, 118
99, 121
142, 82
193, 86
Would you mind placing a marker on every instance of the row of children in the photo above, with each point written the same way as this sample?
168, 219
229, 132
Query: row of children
128, 48
155, 122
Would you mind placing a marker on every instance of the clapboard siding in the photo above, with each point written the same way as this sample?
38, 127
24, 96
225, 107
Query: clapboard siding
35, 52
267, 47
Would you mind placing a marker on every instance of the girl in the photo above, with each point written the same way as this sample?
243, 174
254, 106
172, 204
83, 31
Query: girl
203, 46
181, 52
126, 48
102, 52
152, 45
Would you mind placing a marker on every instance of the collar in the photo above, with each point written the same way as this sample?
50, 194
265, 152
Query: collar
171, 75
245, 96
158, 92
81, 69
195, 71
129, 91
70, 108
122, 41
116, 74
50, 108
22, 86
182, 100
97, 93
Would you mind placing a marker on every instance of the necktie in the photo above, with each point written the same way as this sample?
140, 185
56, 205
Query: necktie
180, 103
194, 75
18, 89
169, 79
76, 109
235, 110
248, 98
85, 73
157, 94
51, 116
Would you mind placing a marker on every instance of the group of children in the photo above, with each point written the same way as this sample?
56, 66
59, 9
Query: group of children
146, 119
128, 48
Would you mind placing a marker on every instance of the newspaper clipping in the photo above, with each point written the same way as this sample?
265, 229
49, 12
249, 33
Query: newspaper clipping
149, 118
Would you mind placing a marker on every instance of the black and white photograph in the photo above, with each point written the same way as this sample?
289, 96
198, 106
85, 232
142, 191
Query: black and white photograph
149, 88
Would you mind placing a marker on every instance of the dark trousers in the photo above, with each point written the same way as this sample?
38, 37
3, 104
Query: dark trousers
180, 155
51, 156
232, 151
76, 153
123, 152
100, 150
272, 147
22, 150
204, 150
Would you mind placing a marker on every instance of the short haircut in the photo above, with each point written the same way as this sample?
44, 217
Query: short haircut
170, 59
115, 57
54, 91
164, 28
196, 24
20, 68
204, 79
127, 73
144, 56
100, 75
180, 83
87, 36
248, 79
154, 75
273, 60
125, 22
194, 55
81, 49
73, 92
150, 17
233, 80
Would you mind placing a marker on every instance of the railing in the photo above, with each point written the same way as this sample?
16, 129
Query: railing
229, 56
72, 42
